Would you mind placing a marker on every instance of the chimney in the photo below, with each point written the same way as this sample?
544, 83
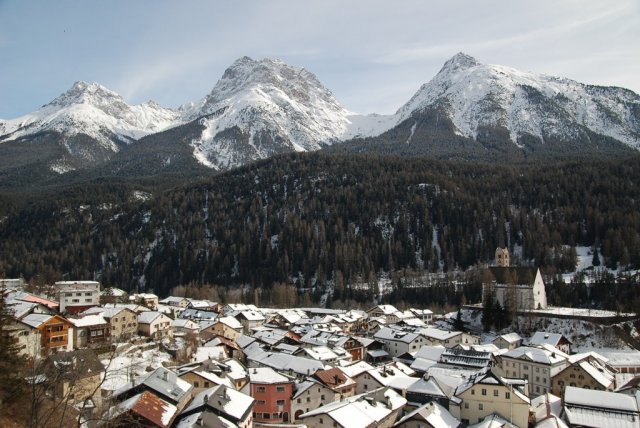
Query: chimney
205, 399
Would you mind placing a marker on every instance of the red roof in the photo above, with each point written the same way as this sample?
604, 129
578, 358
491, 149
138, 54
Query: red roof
35, 299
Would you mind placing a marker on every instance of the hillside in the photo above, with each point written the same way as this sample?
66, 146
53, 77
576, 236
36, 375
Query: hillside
315, 219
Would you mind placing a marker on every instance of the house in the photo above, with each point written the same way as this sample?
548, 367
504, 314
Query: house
224, 402
430, 415
337, 382
537, 365
556, 340
161, 382
209, 373
91, 330
56, 332
489, 394
308, 395
379, 408
77, 296
154, 324
435, 336
184, 326
179, 302
589, 408
144, 409
73, 376
227, 327
198, 315
425, 315
122, 320
395, 374
588, 371
426, 390
113, 295
272, 392
148, 300
26, 338
508, 341
397, 342
389, 313
624, 362
250, 320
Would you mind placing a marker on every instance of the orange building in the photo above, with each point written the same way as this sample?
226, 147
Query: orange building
56, 332
272, 392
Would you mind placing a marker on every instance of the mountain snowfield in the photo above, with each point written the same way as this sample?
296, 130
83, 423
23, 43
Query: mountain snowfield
96, 111
261, 108
476, 95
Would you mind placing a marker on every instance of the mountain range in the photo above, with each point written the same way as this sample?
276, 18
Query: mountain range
263, 108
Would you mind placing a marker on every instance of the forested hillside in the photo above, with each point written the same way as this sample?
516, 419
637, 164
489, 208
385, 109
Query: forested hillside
316, 219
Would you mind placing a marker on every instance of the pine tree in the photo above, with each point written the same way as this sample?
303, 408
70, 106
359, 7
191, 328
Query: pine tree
12, 386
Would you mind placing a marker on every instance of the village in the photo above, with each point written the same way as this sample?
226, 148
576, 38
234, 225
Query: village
118, 360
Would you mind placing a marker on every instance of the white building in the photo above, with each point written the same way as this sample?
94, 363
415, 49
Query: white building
398, 342
77, 296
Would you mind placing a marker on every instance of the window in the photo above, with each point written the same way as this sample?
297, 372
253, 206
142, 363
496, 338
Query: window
495, 392
261, 402
87, 300
537, 369
473, 392
206, 384
280, 403
298, 401
75, 301
466, 405
196, 384
322, 397
309, 398
261, 389
87, 294
280, 388
480, 406
507, 395
484, 391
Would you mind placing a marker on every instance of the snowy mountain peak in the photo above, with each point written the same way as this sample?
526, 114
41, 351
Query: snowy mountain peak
459, 61
527, 105
271, 107
86, 93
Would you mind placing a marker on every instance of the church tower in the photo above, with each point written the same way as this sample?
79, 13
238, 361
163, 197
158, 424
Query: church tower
502, 257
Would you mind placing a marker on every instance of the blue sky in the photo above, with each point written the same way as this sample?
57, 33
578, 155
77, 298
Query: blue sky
373, 55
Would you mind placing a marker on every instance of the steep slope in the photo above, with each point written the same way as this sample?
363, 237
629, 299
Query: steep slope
82, 127
471, 110
476, 96
262, 108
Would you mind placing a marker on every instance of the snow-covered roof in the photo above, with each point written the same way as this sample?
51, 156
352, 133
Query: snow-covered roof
385, 309
434, 414
163, 381
493, 421
542, 337
252, 315
362, 410
184, 323
287, 363
204, 353
321, 353
395, 335
232, 404
147, 405
148, 317
231, 322
266, 375
604, 400
356, 368
88, 320
36, 320
538, 355
510, 337
540, 403
437, 334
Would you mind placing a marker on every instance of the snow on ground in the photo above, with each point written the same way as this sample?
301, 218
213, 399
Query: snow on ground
133, 363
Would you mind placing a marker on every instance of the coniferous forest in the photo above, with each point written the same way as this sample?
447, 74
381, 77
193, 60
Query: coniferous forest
317, 219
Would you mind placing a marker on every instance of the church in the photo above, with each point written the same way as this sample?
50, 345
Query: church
515, 288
